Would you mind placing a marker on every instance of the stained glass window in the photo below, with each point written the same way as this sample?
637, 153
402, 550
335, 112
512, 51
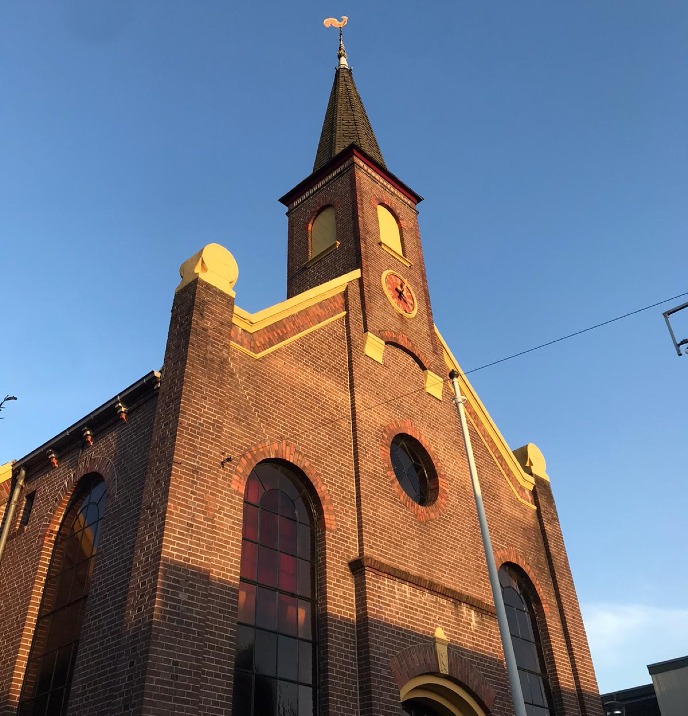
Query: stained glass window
275, 669
526, 641
49, 670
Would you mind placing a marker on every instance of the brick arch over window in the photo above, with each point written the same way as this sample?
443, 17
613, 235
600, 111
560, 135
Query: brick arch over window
422, 513
405, 343
422, 659
48, 531
287, 451
511, 556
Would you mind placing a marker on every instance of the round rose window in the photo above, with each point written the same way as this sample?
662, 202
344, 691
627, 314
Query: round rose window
413, 468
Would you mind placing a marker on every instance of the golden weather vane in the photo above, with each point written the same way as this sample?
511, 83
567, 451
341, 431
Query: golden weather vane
333, 22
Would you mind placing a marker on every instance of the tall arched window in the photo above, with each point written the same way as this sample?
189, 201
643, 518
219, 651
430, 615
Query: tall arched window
323, 231
53, 651
275, 668
526, 640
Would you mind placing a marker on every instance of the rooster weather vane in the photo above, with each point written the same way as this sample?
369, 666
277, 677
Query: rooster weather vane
333, 22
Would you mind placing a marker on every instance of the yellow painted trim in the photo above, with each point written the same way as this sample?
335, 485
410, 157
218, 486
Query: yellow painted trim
253, 322
391, 301
433, 384
532, 461
373, 346
396, 254
6, 471
444, 691
287, 341
441, 649
213, 264
523, 478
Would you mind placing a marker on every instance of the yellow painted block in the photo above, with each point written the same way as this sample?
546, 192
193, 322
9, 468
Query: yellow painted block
373, 347
6, 471
433, 384
213, 264
532, 460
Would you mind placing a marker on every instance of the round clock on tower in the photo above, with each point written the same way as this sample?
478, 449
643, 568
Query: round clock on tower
399, 293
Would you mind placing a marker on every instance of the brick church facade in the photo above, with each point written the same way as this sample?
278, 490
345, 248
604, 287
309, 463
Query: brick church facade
281, 522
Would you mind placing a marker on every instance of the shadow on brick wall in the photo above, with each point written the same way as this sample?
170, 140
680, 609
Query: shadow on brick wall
191, 651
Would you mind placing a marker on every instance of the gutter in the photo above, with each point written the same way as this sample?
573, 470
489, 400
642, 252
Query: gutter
108, 412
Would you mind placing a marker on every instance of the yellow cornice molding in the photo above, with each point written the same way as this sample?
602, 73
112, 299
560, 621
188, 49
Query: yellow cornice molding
289, 340
252, 322
524, 479
6, 471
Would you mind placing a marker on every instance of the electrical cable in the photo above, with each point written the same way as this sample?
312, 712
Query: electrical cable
488, 365
577, 333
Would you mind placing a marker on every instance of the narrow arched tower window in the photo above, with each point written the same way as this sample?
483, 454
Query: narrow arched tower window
525, 637
275, 667
323, 231
389, 229
58, 628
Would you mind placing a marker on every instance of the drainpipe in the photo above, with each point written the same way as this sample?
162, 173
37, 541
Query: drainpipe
511, 666
11, 506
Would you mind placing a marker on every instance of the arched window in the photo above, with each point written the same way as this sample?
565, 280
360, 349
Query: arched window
275, 668
526, 640
53, 651
389, 229
323, 231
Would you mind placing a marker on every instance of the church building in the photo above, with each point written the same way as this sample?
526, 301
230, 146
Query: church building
281, 521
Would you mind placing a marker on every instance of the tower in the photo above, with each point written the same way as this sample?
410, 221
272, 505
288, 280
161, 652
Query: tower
351, 214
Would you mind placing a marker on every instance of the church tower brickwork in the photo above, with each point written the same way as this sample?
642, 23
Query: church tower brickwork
290, 527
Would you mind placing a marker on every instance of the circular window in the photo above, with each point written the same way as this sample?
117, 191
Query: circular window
412, 467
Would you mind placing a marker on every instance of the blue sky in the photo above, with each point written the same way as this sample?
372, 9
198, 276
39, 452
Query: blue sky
549, 141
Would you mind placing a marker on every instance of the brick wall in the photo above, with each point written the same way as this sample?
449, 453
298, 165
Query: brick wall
159, 633
119, 454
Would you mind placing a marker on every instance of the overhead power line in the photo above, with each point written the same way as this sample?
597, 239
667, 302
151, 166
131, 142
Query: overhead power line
396, 398
577, 333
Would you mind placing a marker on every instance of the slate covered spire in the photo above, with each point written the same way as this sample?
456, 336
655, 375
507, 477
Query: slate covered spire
346, 121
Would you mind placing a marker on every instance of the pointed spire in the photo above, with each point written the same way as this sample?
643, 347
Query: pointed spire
346, 121
342, 51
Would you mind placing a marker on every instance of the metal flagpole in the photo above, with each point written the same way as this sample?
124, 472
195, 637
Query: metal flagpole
511, 666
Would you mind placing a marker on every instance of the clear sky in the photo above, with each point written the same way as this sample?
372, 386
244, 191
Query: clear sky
549, 140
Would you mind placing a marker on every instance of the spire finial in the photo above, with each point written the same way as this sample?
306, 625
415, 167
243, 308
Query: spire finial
333, 22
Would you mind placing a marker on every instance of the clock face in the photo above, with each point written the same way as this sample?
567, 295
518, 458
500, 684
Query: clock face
399, 293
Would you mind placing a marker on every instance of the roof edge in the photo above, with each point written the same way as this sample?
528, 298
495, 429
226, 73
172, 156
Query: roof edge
660, 667
353, 150
134, 394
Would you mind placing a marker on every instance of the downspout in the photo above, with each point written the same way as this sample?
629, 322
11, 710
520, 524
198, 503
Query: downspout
11, 506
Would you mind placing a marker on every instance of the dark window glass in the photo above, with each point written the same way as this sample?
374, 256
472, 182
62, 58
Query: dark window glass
56, 638
416, 708
275, 646
28, 506
411, 464
526, 641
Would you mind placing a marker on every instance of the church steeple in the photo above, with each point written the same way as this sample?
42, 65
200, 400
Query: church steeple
346, 121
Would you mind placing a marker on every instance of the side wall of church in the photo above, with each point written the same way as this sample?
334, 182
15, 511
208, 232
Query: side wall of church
119, 454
